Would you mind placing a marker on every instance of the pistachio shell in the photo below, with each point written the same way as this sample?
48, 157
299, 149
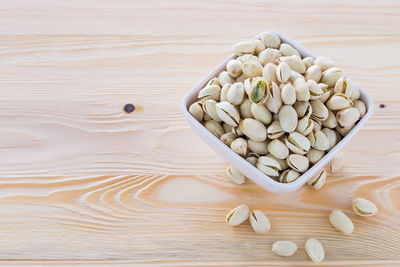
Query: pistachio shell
283, 72
234, 68
341, 222
238, 215
295, 63
269, 166
209, 107
236, 131
288, 94
241, 78
343, 131
210, 92
305, 126
269, 55
288, 118
274, 101
318, 140
284, 248
362, 109
259, 222
319, 110
228, 138
214, 81
313, 73
332, 137
308, 61
270, 40
364, 207
236, 94
348, 88
338, 101
302, 92
215, 128
235, 175
288, 50
196, 110
246, 47
239, 146
252, 69
247, 58
288, 176
274, 130
253, 129
206, 117
336, 163
315, 90
261, 113
325, 96
330, 76
225, 78
317, 124
228, 113
258, 91
259, 147
314, 250
325, 63
318, 180
252, 160
303, 109
348, 116
282, 162
278, 149
245, 109
297, 143
314, 155
330, 121
259, 46
224, 92
295, 75
298, 162
269, 73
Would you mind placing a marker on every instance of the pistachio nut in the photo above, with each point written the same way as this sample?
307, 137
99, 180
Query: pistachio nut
313, 73
288, 118
241, 78
234, 68
348, 88
288, 50
317, 181
343, 131
330, 76
225, 78
348, 116
302, 92
341, 222
282, 162
274, 101
288, 94
236, 94
274, 130
269, 166
259, 46
278, 149
288, 176
314, 250
252, 69
314, 155
338, 102
261, 113
270, 40
308, 61
227, 127
235, 175
318, 140
317, 124
196, 110
247, 58
332, 137
297, 143
209, 107
294, 76
298, 162
237, 131
215, 128
330, 121
214, 81
258, 91
228, 113
228, 138
239, 146
269, 55
206, 117
238, 215
315, 90
210, 92
247, 85
325, 95
252, 160
305, 126
245, 109
284, 248
259, 222
259, 147
336, 163
303, 109
246, 47
253, 129
325, 63
319, 110
364, 207
269, 72
295, 63
362, 109
224, 92
283, 72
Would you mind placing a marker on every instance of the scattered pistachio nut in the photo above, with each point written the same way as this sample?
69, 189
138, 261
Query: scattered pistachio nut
238, 215
364, 207
284, 248
235, 175
341, 222
314, 250
259, 222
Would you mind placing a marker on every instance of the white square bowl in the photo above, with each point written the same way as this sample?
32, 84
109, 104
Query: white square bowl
240, 163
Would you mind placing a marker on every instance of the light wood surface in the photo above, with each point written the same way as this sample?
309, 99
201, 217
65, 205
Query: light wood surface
83, 182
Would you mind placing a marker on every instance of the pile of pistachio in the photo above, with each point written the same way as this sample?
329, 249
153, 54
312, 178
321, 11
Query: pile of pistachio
279, 111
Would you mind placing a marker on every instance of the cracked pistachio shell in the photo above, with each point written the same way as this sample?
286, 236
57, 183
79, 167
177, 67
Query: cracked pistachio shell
225, 78
247, 85
341, 222
246, 47
209, 107
315, 90
253, 129
214, 81
252, 69
258, 91
313, 73
298, 162
236, 94
239, 146
362, 109
332, 137
295, 63
288, 50
348, 88
274, 101
261, 113
210, 92
305, 126
284, 248
234, 68
318, 180
317, 124
245, 109
318, 140
269, 72
252, 160
259, 147
269, 55
224, 92
314, 250
288, 118
283, 72
277, 148
325, 96
308, 61
330, 121
288, 176
314, 155
274, 130
196, 110
228, 138
303, 109
247, 58
325, 63
227, 127
348, 116
270, 40
330, 76
288, 94
282, 162
343, 131
336, 163
364, 207
319, 110
228, 113
259, 222
238, 215
269, 166
235, 175
236, 131
215, 128
302, 92
338, 102
297, 143
260, 46
294, 76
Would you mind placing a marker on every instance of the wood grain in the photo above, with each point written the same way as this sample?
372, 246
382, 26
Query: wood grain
83, 182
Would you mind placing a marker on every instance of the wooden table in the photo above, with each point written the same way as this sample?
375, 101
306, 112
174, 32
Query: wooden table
84, 182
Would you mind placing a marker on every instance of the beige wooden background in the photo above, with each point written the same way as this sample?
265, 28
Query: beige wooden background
83, 182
